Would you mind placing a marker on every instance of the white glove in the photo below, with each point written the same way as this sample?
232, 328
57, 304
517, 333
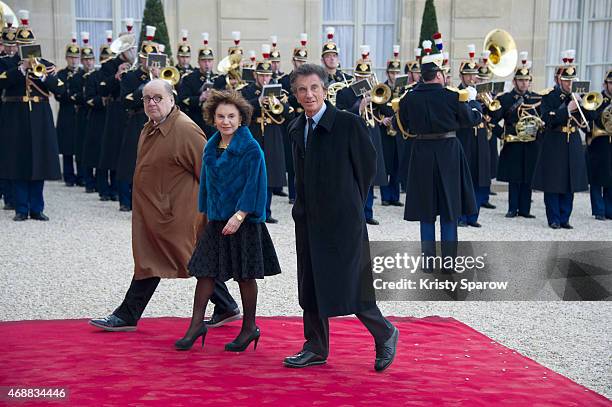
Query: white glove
471, 93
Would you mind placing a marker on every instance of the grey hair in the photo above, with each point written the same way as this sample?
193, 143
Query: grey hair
307, 70
166, 85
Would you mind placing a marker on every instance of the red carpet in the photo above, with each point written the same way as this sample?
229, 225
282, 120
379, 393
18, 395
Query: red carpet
440, 361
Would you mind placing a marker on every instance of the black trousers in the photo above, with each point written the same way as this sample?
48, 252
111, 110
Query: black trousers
141, 291
316, 329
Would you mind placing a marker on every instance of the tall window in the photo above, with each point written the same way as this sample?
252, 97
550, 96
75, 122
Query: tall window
359, 22
97, 16
583, 25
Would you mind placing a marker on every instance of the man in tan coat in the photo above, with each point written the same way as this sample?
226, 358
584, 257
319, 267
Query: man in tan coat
165, 217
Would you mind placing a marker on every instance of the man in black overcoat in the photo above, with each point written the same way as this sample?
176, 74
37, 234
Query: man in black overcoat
560, 169
335, 164
194, 89
112, 71
268, 128
599, 154
28, 142
475, 145
439, 183
66, 116
520, 152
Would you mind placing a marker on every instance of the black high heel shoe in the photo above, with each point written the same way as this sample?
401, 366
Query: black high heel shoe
241, 347
186, 343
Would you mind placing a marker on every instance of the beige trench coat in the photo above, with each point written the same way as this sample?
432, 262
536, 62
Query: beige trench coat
165, 217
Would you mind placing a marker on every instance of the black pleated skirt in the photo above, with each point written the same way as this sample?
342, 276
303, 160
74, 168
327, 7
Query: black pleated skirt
247, 254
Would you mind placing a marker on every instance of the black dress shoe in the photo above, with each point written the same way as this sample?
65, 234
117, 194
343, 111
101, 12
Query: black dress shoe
19, 217
600, 217
475, 224
38, 216
8, 207
608, 217
304, 358
271, 220
291, 201
124, 208
492, 193
69, 184
385, 203
90, 190
385, 353
462, 224
112, 323
554, 226
281, 193
396, 203
566, 226
218, 320
488, 205
372, 221
105, 198
511, 214
527, 215
114, 198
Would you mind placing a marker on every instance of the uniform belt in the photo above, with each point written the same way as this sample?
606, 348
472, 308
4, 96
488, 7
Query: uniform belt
436, 136
511, 138
25, 99
565, 129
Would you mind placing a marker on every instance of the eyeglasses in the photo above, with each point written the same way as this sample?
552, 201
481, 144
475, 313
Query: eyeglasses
156, 99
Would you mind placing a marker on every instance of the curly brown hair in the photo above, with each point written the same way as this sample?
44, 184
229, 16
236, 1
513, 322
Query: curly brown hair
227, 97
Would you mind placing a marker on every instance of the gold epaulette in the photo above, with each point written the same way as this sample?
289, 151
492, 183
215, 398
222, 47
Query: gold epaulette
544, 92
463, 94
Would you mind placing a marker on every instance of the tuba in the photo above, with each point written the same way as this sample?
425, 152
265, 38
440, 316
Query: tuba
504, 56
5, 11
230, 67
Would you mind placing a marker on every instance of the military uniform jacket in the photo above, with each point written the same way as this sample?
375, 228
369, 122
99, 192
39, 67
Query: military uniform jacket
404, 143
332, 178
131, 97
339, 76
439, 182
389, 142
28, 140
189, 99
66, 125
599, 150
184, 70
77, 92
347, 100
116, 114
561, 163
517, 159
96, 117
477, 150
271, 139
285, 82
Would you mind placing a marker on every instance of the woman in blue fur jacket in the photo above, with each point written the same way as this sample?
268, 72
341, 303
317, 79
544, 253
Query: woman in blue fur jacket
235, 242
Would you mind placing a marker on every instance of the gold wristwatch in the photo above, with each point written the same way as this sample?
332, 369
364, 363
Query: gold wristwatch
239, 217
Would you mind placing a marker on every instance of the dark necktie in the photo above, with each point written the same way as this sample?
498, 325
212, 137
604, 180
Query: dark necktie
310, 130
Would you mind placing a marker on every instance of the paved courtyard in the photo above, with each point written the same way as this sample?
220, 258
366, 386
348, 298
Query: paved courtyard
79, 265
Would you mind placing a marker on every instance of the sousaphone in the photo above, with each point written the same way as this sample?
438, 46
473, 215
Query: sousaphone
5, 11
504, 55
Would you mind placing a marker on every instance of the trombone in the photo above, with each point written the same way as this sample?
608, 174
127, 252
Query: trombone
590, 101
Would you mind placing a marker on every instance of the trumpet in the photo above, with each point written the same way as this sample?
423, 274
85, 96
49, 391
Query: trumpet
38, 68
170, 74
487, 99
273, 105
